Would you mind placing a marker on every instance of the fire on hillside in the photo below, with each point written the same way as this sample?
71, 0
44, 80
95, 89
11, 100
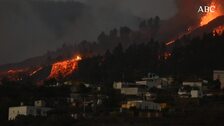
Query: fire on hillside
64, 68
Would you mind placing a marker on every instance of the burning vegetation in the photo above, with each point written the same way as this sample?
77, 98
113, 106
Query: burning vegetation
64, 68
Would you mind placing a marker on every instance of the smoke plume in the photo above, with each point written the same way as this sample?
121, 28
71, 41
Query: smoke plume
31, 27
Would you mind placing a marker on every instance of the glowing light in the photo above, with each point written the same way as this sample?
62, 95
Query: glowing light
167, 55
219, 30
16, 71
170, 42
209, 16
64, 68
78, 58
35, 71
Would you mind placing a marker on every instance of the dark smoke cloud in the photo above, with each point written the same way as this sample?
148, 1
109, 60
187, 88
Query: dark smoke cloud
22, 33
103, 15
31, 27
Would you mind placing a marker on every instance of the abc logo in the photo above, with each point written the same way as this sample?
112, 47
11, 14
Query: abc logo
206, 9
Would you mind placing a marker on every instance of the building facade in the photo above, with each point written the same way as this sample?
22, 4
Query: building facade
37, 110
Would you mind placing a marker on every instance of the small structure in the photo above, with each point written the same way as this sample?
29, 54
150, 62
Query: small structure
130, 89
38, 109
118, 85
152, 80
195, 94
219, 75
191, 89
40, 103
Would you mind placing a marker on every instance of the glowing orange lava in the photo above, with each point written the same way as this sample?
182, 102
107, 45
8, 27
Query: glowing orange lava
35, 71
167, 55
64, 68
209, 16
15, 71
218, 31
170, 42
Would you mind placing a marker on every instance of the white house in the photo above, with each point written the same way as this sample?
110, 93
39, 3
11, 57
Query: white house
219, 74
37, 110
152, 80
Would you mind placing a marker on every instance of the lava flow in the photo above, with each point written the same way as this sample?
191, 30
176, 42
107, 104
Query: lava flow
35, 71
64, 68
211, 15
208, 17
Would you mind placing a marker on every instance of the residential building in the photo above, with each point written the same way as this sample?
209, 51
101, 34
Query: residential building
152, 80
37, 110
118, 85
191, 89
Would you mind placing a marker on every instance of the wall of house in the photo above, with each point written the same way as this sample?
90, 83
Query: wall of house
27, 110
129, 91
218, 74
15, 111
117, 85
146, 105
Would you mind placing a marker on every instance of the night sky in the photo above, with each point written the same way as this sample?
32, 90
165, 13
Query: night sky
32, 27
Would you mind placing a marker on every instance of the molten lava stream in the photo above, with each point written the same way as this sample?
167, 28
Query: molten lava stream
64, 68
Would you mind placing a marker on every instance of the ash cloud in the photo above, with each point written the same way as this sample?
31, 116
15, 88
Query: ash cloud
31, 27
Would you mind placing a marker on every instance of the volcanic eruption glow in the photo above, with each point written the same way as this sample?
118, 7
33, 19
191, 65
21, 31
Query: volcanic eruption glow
204, 20
209, 16
64, 68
